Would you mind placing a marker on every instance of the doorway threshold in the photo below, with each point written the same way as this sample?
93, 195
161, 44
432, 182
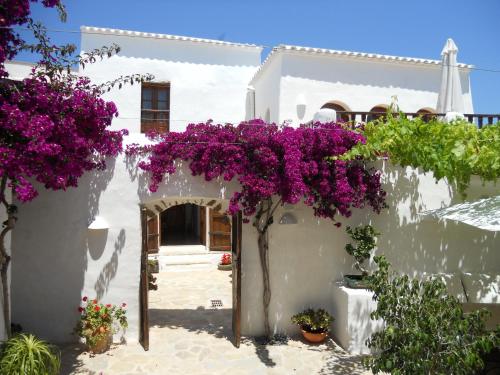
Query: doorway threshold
183, 250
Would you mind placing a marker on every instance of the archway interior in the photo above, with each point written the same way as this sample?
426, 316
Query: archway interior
182, 225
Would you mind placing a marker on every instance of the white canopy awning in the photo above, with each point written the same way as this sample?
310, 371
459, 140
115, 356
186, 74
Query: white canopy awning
450, 94
483, 214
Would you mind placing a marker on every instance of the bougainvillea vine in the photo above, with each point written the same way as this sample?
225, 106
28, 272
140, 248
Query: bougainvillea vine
273, 165
53, 124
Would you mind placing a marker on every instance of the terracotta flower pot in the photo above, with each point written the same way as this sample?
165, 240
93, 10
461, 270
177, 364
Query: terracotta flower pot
314, 337
225, 267
101, 345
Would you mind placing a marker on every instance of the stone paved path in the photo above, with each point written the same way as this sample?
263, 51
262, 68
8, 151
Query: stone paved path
187, 337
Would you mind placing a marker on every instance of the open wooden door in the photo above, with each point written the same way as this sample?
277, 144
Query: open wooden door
220, 231
143, 288
236, 255
153, 235
203, 225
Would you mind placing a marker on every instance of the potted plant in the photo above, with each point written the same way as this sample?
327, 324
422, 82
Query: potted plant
225, 263
98, 322
314, 324
365, 238
26, 354
153, 265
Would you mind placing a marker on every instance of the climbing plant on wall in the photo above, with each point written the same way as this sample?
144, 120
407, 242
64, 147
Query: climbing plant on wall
53, 124
273, 165
454, 151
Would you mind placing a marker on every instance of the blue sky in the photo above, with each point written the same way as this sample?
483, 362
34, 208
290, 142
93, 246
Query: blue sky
396, 27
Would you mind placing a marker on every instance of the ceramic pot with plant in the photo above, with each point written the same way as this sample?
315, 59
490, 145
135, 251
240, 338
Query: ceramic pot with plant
314, 324
365, 237
98, 322
225, 263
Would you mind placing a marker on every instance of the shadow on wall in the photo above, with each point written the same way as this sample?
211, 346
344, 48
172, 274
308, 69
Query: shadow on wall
151, 49
180, 184
415, 245
307, 258
50, 245
363, 74
108, 272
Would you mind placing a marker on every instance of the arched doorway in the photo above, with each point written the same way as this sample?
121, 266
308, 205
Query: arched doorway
174, 314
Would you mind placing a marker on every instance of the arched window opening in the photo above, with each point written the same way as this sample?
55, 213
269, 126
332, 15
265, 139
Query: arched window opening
426, 114
377, 112
338, 108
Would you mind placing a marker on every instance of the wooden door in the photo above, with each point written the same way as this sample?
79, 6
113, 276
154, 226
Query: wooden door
220, 231
203, 226
236, 278
143, 283
153, 235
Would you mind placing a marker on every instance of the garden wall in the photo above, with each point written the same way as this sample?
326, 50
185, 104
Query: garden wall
57, 260
307, 258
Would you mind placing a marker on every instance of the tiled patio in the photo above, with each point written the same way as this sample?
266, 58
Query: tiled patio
188, 336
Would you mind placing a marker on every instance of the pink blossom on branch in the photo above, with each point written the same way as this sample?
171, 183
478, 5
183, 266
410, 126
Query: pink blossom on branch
290, 163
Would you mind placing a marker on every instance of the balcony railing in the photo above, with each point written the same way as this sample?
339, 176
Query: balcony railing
478, 119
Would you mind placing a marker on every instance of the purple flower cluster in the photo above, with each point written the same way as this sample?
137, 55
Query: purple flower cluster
52, 132
291, 163
14, 12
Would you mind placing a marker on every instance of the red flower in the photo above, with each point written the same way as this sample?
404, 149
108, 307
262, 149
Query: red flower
94, 301
80, 309
124, 304
108, 305
97, 308
84, 299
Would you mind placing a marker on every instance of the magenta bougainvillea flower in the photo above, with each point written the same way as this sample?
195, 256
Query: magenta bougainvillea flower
53, 133
269, 161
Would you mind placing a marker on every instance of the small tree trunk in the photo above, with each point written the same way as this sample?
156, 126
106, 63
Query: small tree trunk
4, 257
264, 263
263, 219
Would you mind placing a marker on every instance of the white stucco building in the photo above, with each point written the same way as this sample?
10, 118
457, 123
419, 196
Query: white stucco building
57, 259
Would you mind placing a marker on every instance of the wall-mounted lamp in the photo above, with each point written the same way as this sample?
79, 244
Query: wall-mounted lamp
98, 224
288, 218
301, 104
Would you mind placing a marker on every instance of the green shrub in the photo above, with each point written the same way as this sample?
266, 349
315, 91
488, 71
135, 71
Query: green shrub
454, 151
314, 321
426, 330
26, 355
365, 237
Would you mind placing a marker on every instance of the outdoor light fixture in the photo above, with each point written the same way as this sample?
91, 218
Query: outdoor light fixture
288, 218
98, 224
301, 106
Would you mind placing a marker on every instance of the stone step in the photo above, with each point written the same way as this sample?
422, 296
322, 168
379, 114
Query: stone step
183, 250
165, 261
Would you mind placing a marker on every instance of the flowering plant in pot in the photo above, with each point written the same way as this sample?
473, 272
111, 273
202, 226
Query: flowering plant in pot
365, 237
225, 262
98, 322
314, 324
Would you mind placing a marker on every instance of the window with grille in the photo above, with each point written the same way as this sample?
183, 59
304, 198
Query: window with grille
155, 107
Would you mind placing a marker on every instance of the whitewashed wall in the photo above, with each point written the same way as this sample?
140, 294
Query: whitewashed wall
307, 258
208, 81
57, 260
267, 92
358, 84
